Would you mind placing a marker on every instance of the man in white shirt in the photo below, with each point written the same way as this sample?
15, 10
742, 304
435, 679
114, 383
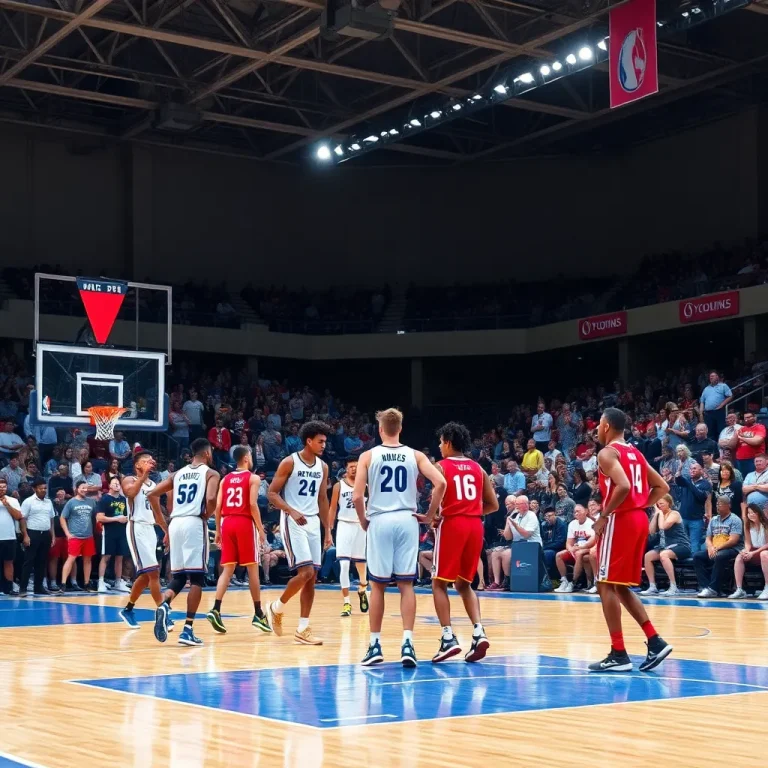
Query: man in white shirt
13, 475
119, 448
522, 524
37, 529
194, 410
577, 545
728, 440
10, 442
10, 512
552, 452
541, 427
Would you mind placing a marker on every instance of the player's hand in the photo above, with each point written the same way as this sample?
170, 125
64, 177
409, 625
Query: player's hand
365, 523
328, 543
298, 518
424, 519
167, 541
599, 526
217, 538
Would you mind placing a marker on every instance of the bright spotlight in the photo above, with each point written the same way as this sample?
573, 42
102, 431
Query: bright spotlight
355, 146
435, 113
323, 153
456, 107
602, 45
686, 14
394, 132
585, 53
502, 89
477, 97
570, 58
416, 123
372, 139
339, 150
526, 78
557, 66
545, 70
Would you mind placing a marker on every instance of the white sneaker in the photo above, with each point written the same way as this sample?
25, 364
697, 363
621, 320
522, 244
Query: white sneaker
31, 585
563, 585
673, 591
102, 587
121, 586
652, 590
707, 592
764, 594
592, 590
15, 588
568, 587
737, 595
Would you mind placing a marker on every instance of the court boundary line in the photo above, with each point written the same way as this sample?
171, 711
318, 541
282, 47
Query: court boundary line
21, 760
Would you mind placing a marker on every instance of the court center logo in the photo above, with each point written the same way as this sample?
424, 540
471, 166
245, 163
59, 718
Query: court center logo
632, 61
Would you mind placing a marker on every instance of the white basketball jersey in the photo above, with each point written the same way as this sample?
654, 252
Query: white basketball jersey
302, 488
139, 510
392, 476
347, 511
189, 491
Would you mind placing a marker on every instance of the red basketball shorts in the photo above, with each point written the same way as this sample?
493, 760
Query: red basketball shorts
458, 545
60, 549
621, 548
238, 541
84, 547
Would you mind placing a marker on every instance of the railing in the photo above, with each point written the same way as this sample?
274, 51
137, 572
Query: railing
759, 386
323, 327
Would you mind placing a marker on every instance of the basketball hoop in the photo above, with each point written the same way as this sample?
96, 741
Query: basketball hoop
104, 417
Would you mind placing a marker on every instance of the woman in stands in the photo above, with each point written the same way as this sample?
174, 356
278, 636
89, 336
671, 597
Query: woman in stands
683, 454
113, 470
729, 486
677, 428
673, 545
549, 496
565, 505
581, 490
755, 553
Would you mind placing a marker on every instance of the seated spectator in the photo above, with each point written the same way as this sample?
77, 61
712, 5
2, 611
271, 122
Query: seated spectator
10, 442
426, 556
579, 540
702, 444
353, 445
514, 480
522, 523
677, 428
673, 545
497, 478
727, 485
533, 460
170, 468
755, 486
552, 452
694, 492
652, 445
52, 465
13, 475
581, 490
554, 533
564, 506
750, 443
754, 556
273, 551
710, 467
496, 545
723, 543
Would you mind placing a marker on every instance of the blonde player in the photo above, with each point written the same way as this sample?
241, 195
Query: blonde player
303, 479
350, 537
143, 515
194, 489
390, 471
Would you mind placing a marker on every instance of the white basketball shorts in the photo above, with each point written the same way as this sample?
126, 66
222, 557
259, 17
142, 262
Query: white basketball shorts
142, 543
393, 546
350, 542
189, 544
302, 542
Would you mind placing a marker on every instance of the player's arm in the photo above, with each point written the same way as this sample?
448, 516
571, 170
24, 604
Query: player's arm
217, 514
657, 485
358, 494
426, 519
323, 508
211, 492
131, 485
490, 500
277, 485
608, 461
439, 483
255, 482
334, 507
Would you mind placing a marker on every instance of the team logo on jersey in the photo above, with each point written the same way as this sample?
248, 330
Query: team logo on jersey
632, 61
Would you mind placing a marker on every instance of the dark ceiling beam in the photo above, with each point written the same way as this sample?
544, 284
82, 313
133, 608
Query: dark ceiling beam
74, 23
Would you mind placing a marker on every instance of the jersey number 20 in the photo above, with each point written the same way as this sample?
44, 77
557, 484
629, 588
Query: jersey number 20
400, 475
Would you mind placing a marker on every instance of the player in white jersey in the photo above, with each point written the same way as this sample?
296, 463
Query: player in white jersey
303, 479
390, 471
143, 515
192, 492
350, 537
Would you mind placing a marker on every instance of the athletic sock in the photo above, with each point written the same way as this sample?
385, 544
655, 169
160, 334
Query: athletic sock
129, 607
477, 630
189, 622
408, 635
617, 642
647, 627
278, 606
447, 633
217, 605
257, 609
347, 601
375, 638
303, 624
362, 587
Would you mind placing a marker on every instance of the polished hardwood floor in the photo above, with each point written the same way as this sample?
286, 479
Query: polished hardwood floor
80, 689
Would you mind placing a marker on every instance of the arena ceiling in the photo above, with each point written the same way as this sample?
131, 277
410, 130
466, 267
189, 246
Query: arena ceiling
268, 85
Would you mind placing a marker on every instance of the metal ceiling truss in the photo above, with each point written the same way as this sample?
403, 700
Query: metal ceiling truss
267, 85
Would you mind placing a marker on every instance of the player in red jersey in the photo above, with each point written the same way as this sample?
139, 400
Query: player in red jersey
628, 486
459, 538
240, 533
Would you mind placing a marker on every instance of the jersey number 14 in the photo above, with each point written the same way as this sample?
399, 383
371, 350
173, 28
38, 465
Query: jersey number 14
635, 478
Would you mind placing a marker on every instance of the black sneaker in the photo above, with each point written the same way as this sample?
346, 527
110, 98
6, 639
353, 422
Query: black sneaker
363, 597
615, 661
447, 649
75, 587
408, 655
658, 650
373, 655
480, 646
214, 617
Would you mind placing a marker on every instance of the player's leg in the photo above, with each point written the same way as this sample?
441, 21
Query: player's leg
259, 620
380, 559
230, 556
303, 633
449, 545
195, 555
362, 584
195, 594
405, 555
214, 615
344, 536
344, 581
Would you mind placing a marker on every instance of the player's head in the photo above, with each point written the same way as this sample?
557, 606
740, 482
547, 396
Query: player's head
611, 426
454, 439
201, 450
314, 435
243, 457
351, 466
143, 461
390, 423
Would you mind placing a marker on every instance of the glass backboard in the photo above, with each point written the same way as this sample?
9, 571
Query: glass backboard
71, 379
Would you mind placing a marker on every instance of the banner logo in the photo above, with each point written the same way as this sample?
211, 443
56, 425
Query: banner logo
633, 72
709, 307
632, 61
612, 324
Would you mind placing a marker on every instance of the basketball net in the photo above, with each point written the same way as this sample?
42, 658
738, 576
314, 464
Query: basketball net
104, 417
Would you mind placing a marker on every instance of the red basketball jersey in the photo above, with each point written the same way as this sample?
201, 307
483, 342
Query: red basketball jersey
636, 469
464, 494
236, 494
